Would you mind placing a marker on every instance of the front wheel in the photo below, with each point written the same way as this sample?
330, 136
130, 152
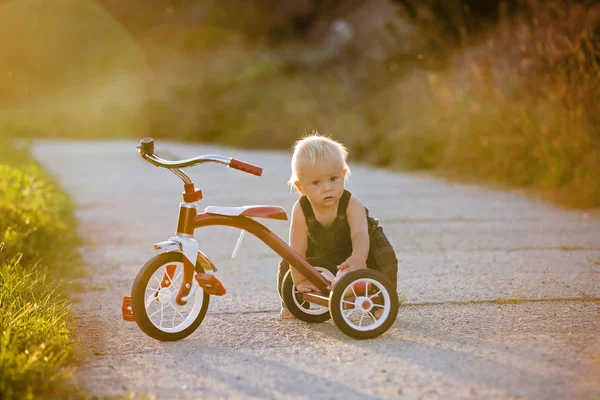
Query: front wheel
363, 304
153, 297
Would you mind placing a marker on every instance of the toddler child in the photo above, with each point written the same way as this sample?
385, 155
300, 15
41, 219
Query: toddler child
328, 221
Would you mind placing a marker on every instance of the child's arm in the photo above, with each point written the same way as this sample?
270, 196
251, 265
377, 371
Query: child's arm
359, 232
298, 238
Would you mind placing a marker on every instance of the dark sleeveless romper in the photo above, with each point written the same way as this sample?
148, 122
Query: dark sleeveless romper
335, 242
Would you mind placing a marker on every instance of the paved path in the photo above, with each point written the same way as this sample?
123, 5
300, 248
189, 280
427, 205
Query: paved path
460, 249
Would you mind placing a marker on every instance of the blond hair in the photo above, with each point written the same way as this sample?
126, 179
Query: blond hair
313, 149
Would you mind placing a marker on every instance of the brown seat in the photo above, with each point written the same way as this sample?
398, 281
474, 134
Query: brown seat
271, 212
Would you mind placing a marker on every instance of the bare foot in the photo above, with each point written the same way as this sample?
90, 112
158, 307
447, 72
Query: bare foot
306, 286
285, 314
377, 313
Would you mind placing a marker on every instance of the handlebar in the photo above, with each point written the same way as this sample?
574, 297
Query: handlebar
243, 166
146, 149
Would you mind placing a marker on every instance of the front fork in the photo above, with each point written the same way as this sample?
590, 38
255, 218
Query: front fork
189, 247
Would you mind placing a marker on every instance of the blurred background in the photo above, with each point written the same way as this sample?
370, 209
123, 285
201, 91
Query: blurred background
504, 92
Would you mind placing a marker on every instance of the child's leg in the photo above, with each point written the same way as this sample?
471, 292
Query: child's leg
282, 269
382, 258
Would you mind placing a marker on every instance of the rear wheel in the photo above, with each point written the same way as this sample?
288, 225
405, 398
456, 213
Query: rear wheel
303, 310
153, 299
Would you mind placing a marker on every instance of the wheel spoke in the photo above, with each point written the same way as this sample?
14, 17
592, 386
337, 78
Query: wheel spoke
378, 305
376, 294
161, 316
349, 312
361, 319
350, 303
175, 279
177, 311
157, 281
155, 312
149, 301
372, 316
153, 289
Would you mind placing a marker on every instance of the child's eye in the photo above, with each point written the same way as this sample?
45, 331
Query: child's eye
333, 178
315, 183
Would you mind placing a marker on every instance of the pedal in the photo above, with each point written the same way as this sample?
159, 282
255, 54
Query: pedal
126, 309
210, 284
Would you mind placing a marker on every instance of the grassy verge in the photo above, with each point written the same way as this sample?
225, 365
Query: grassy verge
37, 256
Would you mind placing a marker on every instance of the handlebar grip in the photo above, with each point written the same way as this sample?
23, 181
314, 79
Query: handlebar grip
146, 145
242, 166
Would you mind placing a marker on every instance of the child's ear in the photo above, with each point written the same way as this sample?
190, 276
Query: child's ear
299, 187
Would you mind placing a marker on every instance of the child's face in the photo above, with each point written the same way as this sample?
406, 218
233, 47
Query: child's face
323, 184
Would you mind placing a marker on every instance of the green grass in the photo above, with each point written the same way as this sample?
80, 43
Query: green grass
402, 300
511, 300
37, 348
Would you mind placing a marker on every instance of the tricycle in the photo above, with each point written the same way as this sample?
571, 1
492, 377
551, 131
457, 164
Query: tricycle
171, 292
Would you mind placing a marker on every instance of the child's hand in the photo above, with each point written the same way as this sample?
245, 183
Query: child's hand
306, 286
353, 263
341, 272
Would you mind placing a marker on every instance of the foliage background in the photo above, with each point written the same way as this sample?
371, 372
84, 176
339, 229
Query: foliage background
503, 91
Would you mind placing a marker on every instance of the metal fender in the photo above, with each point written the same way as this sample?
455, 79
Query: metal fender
205, 262
167, 246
